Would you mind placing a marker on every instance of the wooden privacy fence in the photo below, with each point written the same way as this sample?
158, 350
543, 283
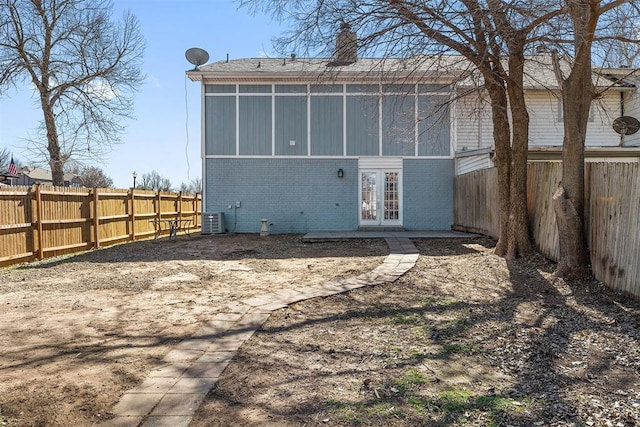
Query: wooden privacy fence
612, 215
476, 202
43, 221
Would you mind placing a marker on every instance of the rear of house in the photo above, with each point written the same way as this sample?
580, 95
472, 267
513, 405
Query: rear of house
351, 143
313, 145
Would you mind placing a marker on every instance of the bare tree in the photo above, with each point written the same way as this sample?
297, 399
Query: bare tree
492, 35
154, 181
192, 187
577, 93
5, 159
617, 37
94, 177
83, 66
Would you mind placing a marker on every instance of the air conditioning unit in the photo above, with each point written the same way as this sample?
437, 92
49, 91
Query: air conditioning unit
213, 222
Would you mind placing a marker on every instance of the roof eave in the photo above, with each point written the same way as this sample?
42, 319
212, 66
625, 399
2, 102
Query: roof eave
360, 77
195, 75
555, 152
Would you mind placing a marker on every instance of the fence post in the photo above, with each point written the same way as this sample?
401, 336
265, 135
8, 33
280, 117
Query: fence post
179, 206
96, 220
158, 208
197, 199
194, 208
39, 222
132, 215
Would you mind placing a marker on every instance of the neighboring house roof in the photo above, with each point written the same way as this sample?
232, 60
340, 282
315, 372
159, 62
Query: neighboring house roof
43, 175
37, 174
626, 75
540, 72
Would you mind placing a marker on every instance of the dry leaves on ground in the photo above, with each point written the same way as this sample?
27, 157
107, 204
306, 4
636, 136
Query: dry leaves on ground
464, 338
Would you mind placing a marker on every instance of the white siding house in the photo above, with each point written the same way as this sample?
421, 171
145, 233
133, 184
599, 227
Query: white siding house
619, 97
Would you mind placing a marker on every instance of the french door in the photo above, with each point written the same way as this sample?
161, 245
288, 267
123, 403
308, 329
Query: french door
380, 197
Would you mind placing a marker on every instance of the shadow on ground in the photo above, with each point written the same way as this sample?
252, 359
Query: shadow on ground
464, 338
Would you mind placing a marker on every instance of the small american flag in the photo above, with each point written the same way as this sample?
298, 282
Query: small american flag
12, 168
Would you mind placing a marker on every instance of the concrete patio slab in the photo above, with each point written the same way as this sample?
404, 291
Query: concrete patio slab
179, 404
217, 357
169, 370
154, 385
136, 404
167, 421
123, 421
193, 386
181, 355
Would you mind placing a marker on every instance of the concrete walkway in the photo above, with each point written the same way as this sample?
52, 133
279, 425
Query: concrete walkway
172, 393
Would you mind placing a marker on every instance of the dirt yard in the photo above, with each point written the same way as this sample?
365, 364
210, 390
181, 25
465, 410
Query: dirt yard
465, 338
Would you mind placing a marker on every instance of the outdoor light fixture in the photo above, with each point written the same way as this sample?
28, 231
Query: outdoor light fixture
135, 175
340, 173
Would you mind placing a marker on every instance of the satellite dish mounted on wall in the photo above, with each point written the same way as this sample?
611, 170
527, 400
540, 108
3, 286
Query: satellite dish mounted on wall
626, 125
196, 56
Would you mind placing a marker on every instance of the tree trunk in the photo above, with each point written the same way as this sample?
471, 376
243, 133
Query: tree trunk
520, 240
577, 94
572, 263
502, 141
511, 162
56, 162
569, 198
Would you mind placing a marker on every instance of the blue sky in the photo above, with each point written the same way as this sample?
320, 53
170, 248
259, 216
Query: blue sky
157, 138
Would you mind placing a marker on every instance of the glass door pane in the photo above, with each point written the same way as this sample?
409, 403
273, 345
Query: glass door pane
369, 197
391, 196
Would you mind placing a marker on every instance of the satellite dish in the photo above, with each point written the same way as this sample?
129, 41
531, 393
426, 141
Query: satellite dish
196, 56
626, 125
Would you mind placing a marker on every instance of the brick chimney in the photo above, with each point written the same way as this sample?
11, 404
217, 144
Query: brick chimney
346, 45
